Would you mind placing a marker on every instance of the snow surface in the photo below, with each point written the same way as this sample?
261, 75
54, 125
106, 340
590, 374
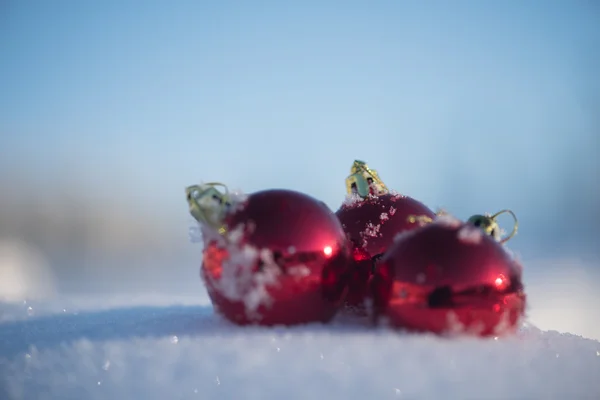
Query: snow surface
153, 347
125, 346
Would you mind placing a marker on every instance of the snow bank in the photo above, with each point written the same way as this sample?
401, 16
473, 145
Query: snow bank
184, 351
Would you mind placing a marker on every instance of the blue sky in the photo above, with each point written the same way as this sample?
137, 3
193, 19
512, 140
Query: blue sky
470, 105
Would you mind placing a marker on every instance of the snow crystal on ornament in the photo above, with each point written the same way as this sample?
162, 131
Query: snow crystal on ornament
258, 294
237, 196
392, 210
503, 324
470, 234
372, 230
199, 232
352, 200
266, 256
237, 271
241, 282
384, 217
499, 233
395, 195
453, 324
448, 221
236, 234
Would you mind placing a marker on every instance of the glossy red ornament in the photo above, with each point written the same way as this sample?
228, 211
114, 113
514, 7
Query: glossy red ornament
449, 277
371, 224
284, 260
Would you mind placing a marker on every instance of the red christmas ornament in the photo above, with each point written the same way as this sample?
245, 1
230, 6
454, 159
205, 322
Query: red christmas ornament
447, 277
371, 218
280, 259
371, 224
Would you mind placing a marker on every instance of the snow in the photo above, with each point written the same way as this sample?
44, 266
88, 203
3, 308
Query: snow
447, 220
470, 234
239, 280
157, 347
352, 200
164, 346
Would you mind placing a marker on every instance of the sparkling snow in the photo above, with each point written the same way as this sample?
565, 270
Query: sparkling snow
125, 346
177, 348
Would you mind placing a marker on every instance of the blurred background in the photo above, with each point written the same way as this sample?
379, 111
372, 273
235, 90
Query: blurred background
109, 109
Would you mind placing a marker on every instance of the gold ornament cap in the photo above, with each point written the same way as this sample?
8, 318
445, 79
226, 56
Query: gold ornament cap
208, 205
364, 181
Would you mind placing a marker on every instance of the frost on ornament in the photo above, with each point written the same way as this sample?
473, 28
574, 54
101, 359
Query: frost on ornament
352, 200
371, 230
447, 220
237, 198
213, 210
395, 195
470, 234
240, 280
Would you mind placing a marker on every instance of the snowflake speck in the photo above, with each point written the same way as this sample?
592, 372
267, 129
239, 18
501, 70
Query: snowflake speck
352, 200
371, 230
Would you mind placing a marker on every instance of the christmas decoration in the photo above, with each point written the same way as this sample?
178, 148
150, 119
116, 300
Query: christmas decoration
274, 257
449, 277
371, 217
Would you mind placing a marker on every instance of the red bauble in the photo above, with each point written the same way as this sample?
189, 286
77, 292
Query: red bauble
449, 277
371, 225
284, 261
